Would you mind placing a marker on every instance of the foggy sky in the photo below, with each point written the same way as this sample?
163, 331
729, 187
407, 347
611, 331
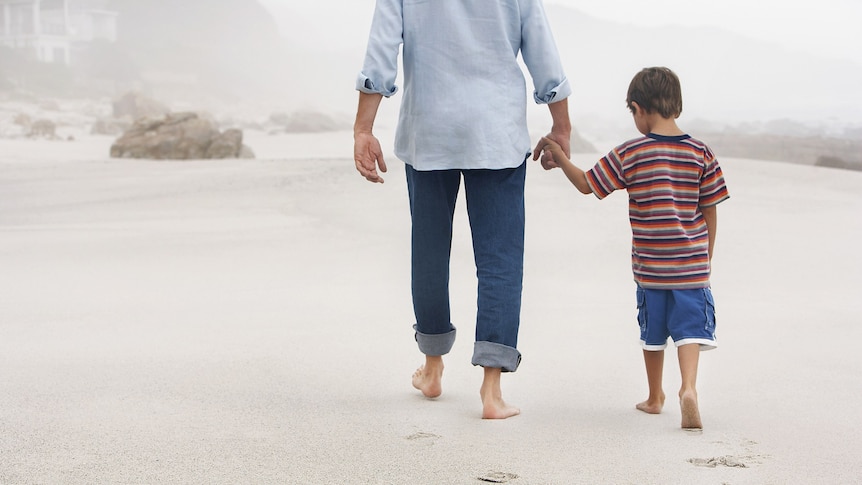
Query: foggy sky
727, 75
826, 27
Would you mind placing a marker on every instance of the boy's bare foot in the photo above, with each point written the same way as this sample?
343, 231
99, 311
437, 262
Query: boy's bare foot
652, 405
689, 410
429, 381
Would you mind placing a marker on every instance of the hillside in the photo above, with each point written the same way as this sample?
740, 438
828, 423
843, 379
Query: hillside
807, 150
227, 47
228, 50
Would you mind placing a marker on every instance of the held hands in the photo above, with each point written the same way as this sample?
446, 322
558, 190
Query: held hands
547, 147
552, 152
368, 156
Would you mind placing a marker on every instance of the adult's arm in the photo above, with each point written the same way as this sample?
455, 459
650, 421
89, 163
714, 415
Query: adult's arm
367, 154
376, 80
551, 86
561, 132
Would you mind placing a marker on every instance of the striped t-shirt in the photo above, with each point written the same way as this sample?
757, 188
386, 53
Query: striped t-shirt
668, 179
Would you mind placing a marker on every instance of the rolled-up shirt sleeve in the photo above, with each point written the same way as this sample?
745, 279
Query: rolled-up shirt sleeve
380, 68
540, 55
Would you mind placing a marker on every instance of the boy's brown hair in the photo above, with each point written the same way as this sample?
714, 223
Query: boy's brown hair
656, 90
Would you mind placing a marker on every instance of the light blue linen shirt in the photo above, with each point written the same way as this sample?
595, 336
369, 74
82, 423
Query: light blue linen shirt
465, 98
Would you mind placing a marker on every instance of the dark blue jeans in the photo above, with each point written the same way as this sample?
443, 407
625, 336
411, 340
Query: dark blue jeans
495, 206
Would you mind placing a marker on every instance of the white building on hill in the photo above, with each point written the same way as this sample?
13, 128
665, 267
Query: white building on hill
50, 30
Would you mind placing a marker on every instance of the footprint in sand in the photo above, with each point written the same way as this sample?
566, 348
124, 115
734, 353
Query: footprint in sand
743, 459
497, 477
421, 435
727, 460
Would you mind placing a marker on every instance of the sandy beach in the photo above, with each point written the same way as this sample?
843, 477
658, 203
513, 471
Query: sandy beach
249, 321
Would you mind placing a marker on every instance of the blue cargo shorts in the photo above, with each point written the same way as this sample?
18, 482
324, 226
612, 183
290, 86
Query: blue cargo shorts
687, 316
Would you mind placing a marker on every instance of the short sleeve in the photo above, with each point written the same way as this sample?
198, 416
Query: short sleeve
607, 175
713, 189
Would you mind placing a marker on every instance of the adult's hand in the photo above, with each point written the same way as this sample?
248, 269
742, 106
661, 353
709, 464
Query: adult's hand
548, 161
561, 132
368, 156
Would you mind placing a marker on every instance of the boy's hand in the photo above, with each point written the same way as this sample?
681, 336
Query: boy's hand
551, 152
368, 156
560, 158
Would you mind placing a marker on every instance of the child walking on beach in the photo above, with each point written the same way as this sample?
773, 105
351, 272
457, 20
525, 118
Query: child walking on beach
674, 183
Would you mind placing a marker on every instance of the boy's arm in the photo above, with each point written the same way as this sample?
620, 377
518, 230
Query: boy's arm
710, 215
575, 175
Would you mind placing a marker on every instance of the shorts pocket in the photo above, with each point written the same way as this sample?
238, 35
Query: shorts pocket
642, 311
710, 311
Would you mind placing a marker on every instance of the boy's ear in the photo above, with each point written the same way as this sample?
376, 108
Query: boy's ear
635, 107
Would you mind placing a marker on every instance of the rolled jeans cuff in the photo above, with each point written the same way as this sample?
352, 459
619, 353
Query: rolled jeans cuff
437, 344
494, 355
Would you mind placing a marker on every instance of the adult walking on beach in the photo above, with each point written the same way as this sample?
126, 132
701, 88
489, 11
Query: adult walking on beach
463, 115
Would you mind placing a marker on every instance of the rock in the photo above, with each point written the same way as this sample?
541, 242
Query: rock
43, 129
177, 136
226, 145
246, 152
135, 105
837, 162
23, 119
807, 150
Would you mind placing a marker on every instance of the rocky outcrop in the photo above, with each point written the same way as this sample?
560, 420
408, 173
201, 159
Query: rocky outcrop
836, 162
23, 119
178, 136
43, 128
809, 150
225, 145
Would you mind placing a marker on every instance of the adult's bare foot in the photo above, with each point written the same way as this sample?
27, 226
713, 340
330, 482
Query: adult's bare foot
651, 405
496, 408
493, 406
428, 379
689, 410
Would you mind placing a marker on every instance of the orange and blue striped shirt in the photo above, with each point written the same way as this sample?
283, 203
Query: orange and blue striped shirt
668, 179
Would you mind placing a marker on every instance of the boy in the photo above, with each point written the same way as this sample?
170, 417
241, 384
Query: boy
674, 183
